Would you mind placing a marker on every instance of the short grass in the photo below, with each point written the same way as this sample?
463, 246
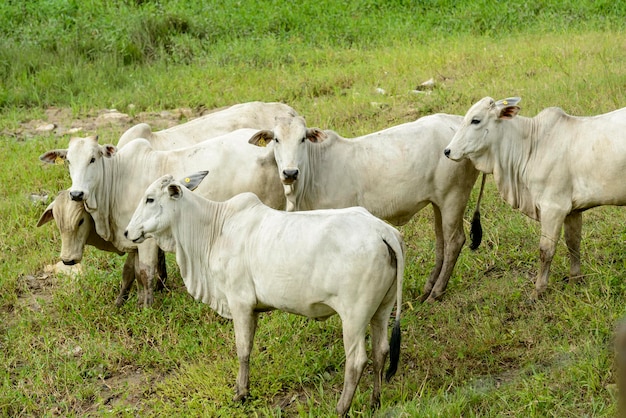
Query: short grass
483, 351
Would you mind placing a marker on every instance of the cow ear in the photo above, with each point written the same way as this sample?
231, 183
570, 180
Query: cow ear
261, 138
508, 108
47, 216
192, 181
175, 191
56, 156
109, 150
316, 135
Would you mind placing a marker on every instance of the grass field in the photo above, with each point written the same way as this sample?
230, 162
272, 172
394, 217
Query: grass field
482, 351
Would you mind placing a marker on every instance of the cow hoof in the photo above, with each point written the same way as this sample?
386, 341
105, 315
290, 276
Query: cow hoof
536, 294
240, 397
120, 301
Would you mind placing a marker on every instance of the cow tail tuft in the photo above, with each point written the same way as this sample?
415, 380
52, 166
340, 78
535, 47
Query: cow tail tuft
394, 351
476, 230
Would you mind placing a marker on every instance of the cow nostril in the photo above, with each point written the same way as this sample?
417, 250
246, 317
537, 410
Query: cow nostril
446, 152
77, 196
291, 174
126, 234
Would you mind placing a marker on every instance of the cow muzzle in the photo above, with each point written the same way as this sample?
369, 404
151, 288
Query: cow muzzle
290, 175
77, 196
69, 262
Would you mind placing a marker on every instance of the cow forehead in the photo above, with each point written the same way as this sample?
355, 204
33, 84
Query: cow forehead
82, 148
481, 107
159, 185
290, 128
68, 212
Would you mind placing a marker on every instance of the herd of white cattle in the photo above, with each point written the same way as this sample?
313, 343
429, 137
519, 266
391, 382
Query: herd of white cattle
289, 217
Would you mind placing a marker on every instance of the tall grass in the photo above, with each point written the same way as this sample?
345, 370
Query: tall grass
52, 52
483, 351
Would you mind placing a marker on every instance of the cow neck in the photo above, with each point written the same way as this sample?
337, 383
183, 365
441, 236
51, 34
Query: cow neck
518, 142
195, 238
310, 187
99, 202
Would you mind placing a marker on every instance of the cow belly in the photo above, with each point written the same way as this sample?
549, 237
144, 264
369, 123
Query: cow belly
327, 286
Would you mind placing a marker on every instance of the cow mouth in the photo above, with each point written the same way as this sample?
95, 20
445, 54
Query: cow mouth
69, 262
141, 238
288, 181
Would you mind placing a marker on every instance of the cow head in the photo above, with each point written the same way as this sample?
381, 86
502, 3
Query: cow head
291, 138
74, 223
157, 208
76, 226
476, 133
84, 156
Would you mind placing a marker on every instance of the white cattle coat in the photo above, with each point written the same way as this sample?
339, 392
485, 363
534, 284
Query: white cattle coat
551, 167
393, 173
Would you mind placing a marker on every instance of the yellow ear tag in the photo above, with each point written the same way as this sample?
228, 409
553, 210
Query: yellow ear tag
262, 142
504, 102
59, 161
187, 179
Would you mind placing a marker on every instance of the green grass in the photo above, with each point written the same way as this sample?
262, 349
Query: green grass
483, 351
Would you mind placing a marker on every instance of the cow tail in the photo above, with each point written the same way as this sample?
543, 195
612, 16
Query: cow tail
394, 344
476, 231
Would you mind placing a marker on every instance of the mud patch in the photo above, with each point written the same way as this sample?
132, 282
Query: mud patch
284, 401
125, 390
36, 290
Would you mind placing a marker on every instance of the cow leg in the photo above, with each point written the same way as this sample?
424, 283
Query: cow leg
573, 233
147, 261
551, 223
128, 277
244, 322
161, 270
356, 358
453, 240
380, 345
439, 256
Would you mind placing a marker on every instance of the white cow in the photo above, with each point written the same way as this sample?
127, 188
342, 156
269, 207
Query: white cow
392, 173
256, 115
242, 258
108, 182
551, 167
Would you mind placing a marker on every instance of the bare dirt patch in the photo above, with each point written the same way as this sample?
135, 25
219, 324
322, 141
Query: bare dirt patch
124, 390
36, 290
60, 122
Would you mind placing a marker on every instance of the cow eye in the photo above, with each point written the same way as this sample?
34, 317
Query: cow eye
93, 160
303, 139
276, 139
475, 121
149, 200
